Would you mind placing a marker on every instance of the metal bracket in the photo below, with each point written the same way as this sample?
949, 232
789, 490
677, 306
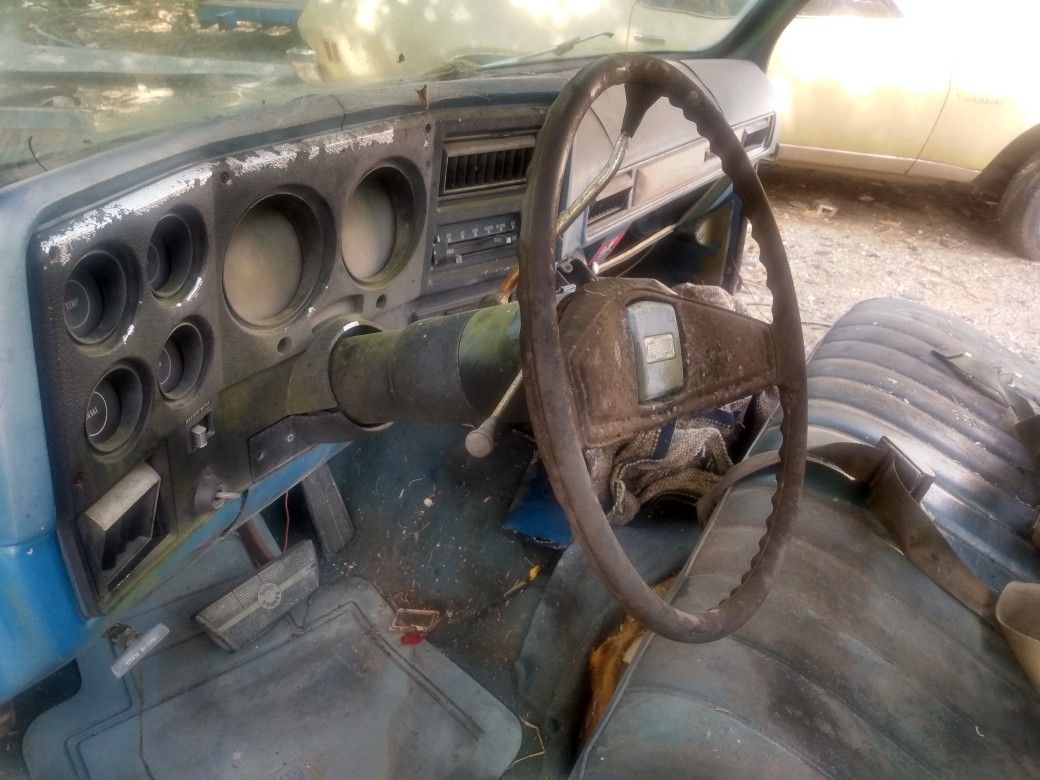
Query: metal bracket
916, 479
419, 621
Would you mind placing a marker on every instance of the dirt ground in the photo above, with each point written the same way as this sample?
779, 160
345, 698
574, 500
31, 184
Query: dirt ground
936, 244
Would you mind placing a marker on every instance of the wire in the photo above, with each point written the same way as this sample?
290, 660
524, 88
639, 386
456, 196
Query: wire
120, 636
285, 542
138, 676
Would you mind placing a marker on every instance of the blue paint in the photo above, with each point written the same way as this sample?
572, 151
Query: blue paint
42, 627
536, 513
229, 13
41, 624
40, 620
26, 495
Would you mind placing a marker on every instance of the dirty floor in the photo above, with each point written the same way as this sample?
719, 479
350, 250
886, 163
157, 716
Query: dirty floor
849, 240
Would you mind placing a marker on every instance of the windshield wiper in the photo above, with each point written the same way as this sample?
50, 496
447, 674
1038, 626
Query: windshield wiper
558, 50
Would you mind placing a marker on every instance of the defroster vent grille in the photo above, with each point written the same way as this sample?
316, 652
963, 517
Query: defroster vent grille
484, 164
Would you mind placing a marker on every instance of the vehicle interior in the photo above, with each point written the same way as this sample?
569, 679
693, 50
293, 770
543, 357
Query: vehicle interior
411, 429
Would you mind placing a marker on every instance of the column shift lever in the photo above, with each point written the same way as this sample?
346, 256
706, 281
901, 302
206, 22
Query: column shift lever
481, 440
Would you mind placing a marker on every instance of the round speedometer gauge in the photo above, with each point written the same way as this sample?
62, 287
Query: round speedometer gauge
263, 265
376, 225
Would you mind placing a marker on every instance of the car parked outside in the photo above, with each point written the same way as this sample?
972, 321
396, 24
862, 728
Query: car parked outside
920, 89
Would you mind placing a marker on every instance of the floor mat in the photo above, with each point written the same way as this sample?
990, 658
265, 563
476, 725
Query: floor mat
328, 692
429, 535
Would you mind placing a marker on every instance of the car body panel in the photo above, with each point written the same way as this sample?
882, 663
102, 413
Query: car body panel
849, 106
920, 92
993, 100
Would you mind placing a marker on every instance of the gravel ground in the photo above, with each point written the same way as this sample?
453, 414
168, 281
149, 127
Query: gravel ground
936, 244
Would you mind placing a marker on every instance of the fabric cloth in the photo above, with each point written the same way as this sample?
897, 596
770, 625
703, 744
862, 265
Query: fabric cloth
683, 458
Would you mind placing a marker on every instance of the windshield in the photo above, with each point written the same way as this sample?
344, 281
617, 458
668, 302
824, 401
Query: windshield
76, 75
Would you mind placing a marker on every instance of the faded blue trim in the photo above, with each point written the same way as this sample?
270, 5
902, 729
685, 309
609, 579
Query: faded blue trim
41, 626
40, 622
228, 13
26, 493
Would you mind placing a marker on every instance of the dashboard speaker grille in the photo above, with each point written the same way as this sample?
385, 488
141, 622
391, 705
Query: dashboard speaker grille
484, 164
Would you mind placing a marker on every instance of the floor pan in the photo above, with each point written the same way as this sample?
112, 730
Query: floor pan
328, 692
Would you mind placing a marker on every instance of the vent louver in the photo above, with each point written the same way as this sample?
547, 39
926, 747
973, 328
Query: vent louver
490, 163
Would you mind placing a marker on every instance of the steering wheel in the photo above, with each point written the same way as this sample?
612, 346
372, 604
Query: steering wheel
627, 355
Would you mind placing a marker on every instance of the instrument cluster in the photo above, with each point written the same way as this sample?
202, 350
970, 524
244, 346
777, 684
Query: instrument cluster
165, 309
168, 314
240, 255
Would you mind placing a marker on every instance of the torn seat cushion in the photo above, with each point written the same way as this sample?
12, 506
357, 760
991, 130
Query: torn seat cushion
857, 664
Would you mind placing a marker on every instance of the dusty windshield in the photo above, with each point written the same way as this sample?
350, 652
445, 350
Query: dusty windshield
77, 75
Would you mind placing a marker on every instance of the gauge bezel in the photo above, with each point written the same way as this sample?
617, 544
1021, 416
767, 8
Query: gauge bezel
185, 227
128, 382
403, 183
311, 220
194, 347
107, 270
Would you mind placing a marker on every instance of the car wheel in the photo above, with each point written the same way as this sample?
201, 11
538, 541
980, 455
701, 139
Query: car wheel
1020, 210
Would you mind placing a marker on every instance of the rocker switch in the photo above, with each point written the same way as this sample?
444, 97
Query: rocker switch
200, 433
654, 329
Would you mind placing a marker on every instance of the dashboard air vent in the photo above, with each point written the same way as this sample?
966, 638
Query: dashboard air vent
484, 164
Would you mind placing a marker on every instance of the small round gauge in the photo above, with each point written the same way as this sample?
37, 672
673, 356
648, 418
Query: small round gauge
95, 297
84, 305
114, 409
271, 266
181, 361
171, 255
157, 266
103, 412
376, 225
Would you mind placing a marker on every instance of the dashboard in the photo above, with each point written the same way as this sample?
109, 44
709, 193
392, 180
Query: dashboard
170, 302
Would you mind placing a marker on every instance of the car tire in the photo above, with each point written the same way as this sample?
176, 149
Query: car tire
1020, 210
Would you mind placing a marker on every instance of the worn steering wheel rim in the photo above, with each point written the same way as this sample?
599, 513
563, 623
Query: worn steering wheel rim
549, 392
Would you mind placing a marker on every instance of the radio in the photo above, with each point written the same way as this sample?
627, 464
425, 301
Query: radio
476, 240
